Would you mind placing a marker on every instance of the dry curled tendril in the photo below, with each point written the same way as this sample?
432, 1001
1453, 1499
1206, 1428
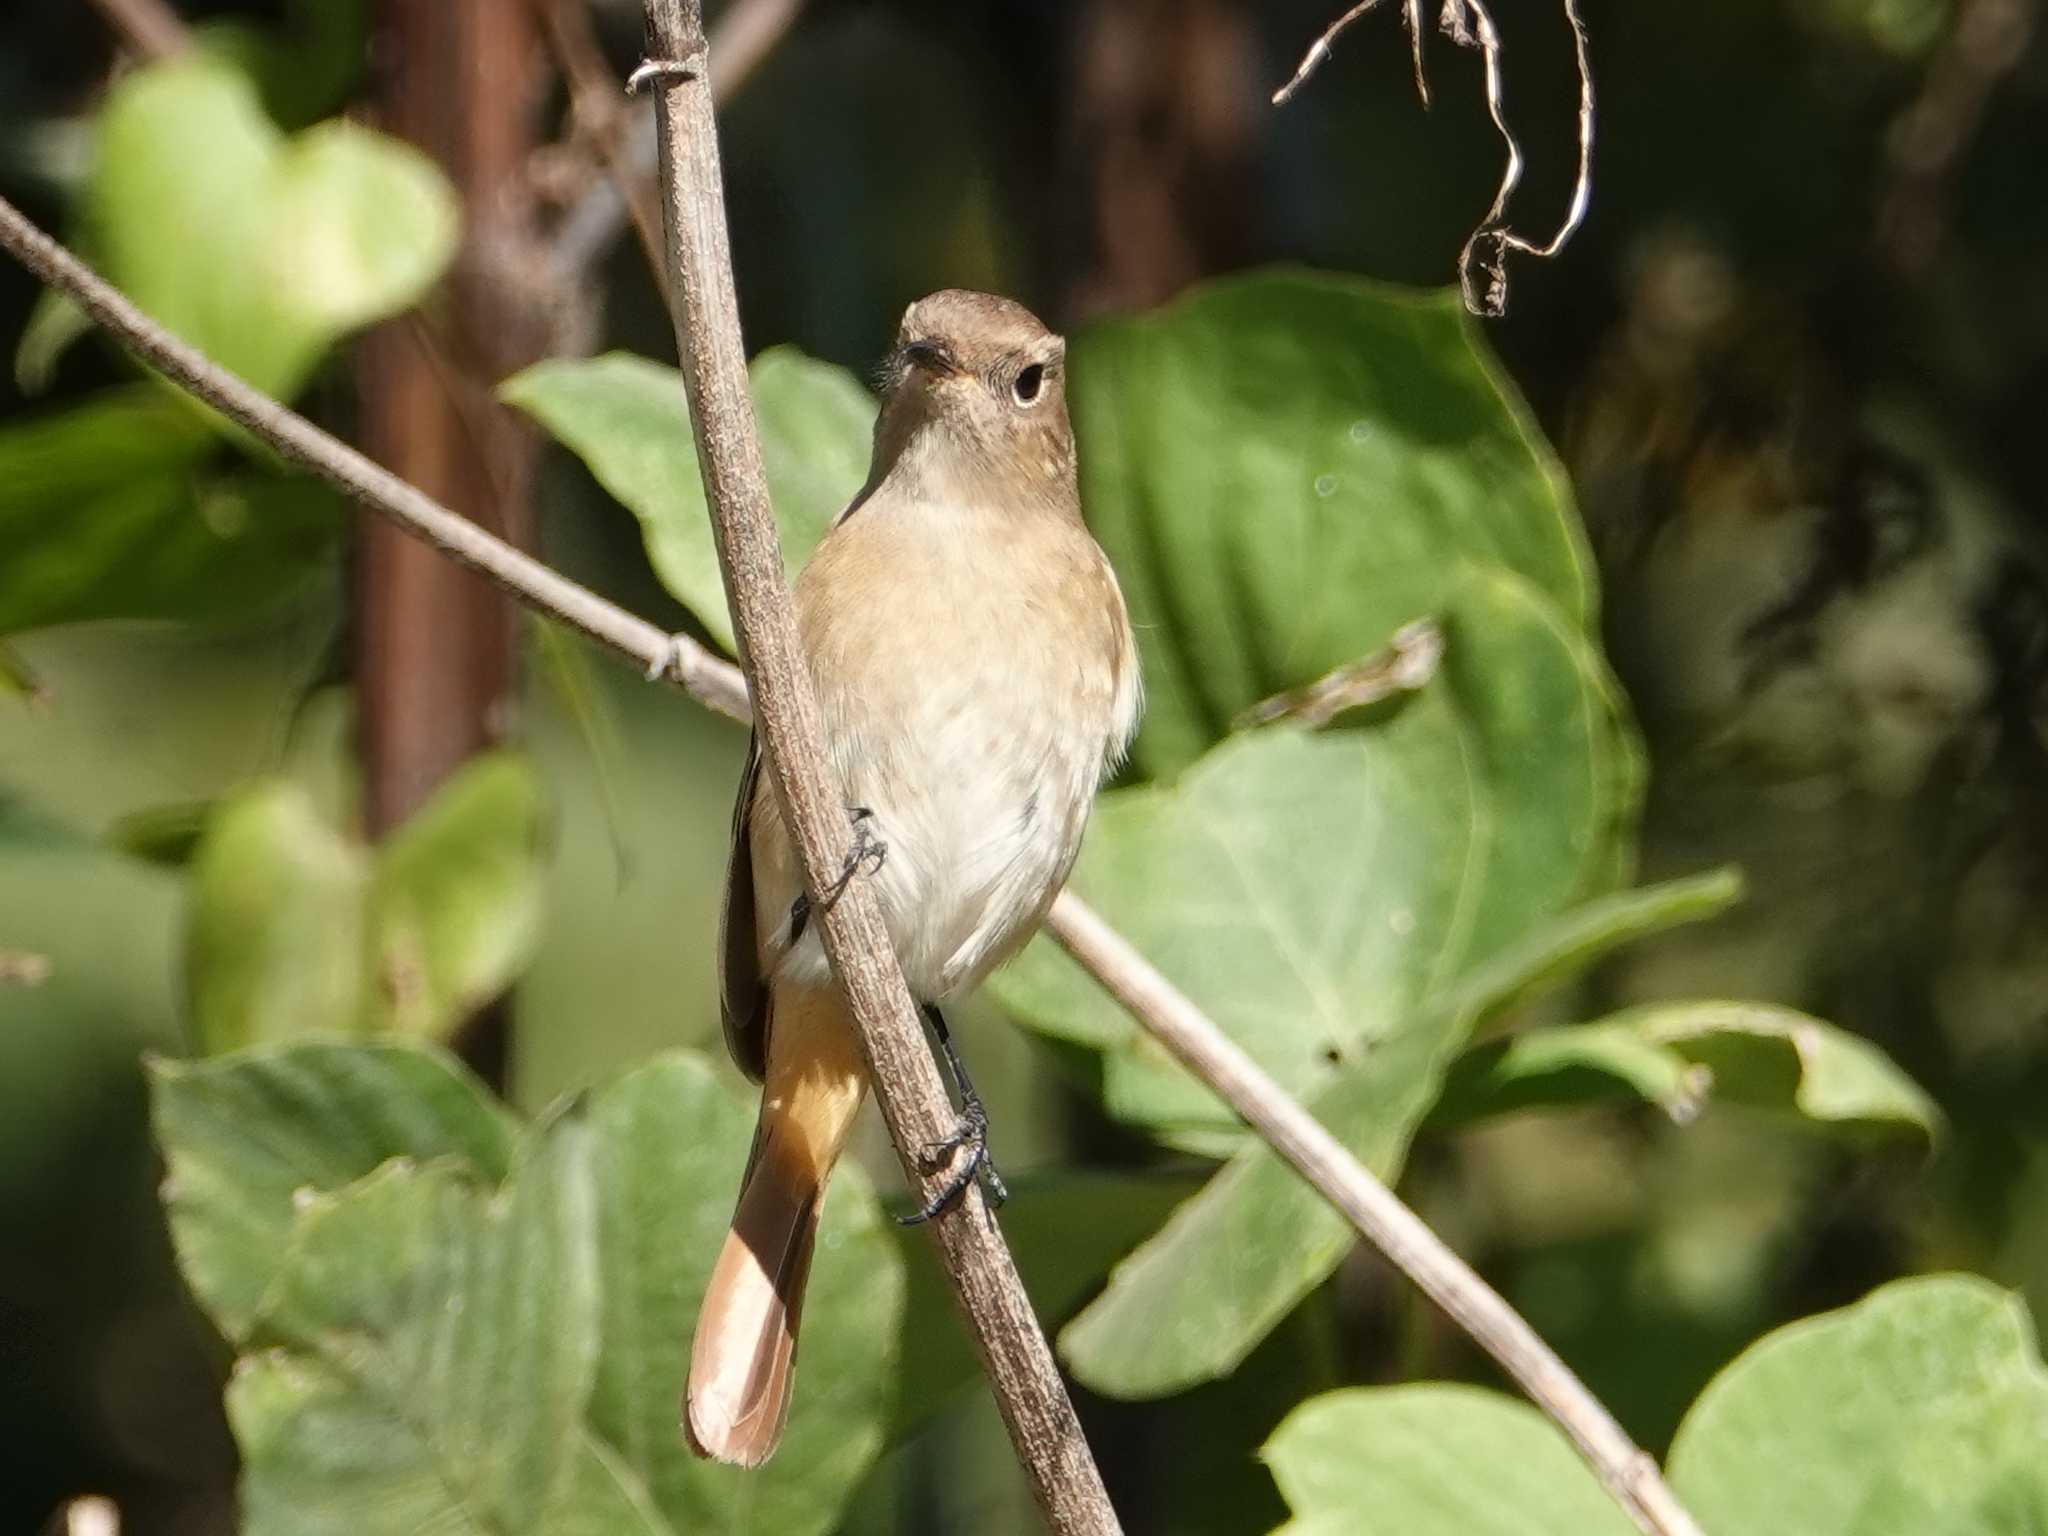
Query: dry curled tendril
1482, 264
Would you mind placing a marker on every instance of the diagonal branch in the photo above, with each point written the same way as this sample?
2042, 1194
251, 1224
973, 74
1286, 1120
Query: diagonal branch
1043, 1428
150, 27
1156, 1004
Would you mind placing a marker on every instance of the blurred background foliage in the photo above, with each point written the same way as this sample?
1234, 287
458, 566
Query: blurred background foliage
1794, 366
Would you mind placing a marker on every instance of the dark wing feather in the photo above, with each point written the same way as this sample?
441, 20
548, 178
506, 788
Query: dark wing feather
742, 995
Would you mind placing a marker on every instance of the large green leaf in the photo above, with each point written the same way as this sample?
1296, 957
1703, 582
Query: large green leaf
262, 251
1920, 1411
624, 417
1435, 1460
1287, 467
440, 1331
1681, 1056
1192, 1302
244, 1134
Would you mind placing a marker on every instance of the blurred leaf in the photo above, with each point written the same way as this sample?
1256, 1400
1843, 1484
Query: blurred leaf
108, 510
671, 1145
244, 1134
170, 835
1192, 1302
1436, 1460
18, 681
307, 68
624, 417
24, 825
1556, 951
438, 1353
54, 324
456, 903
1287, 467
276, 936
1681, 1056
1920, 1411
260, 250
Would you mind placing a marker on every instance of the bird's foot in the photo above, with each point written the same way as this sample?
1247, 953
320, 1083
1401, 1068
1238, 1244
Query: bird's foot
971, 1137
867, 853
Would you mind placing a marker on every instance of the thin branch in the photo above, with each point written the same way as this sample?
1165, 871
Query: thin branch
718, 684
364, 482
599, 111
1405, 663
1986, 42
1021, 1371
746, 33
1469, 24
150, 27
1629, 1474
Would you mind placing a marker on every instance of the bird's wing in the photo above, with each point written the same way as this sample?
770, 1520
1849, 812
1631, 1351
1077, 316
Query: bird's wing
743, 995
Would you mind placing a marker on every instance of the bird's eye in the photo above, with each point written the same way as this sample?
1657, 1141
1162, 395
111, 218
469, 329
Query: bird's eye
1029, 384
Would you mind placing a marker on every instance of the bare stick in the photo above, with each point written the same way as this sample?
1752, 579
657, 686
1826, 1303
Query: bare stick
150, 27
1486, 251
747, 33
1019, 1362
718, 684
1629, 1474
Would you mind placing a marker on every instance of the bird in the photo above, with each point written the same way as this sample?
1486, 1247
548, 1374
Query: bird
978, 681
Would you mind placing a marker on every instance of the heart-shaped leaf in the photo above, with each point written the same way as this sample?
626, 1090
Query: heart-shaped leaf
260, 250
624, 417
243, 1135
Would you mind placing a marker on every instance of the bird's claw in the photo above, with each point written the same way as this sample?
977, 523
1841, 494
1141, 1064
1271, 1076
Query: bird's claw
868, 852
971, 1136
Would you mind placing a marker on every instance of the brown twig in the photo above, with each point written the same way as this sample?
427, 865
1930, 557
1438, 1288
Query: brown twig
1986, 41
718, 684
1469, 24
150, 27
1044, 1430
600, 114
747, 32
1407, 662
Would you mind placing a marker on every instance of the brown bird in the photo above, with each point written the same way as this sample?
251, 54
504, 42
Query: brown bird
978, 679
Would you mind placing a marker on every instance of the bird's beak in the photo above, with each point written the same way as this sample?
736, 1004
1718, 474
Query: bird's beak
928, 357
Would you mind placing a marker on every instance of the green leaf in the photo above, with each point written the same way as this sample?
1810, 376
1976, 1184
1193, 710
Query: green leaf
1192, 1302
1437, 1460
244, 1134
1920, 1411
459, 1337
624, 417
1067, 1226
114, 509
1681, 1056
671, 1145
276, 937
1286, 467
424, 1349
456, 903
1554, 952
262, 251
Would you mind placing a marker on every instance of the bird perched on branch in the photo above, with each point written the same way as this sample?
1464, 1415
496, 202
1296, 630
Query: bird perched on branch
977, 678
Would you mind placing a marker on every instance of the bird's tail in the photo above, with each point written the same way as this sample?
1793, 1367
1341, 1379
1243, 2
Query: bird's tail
742, 1365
